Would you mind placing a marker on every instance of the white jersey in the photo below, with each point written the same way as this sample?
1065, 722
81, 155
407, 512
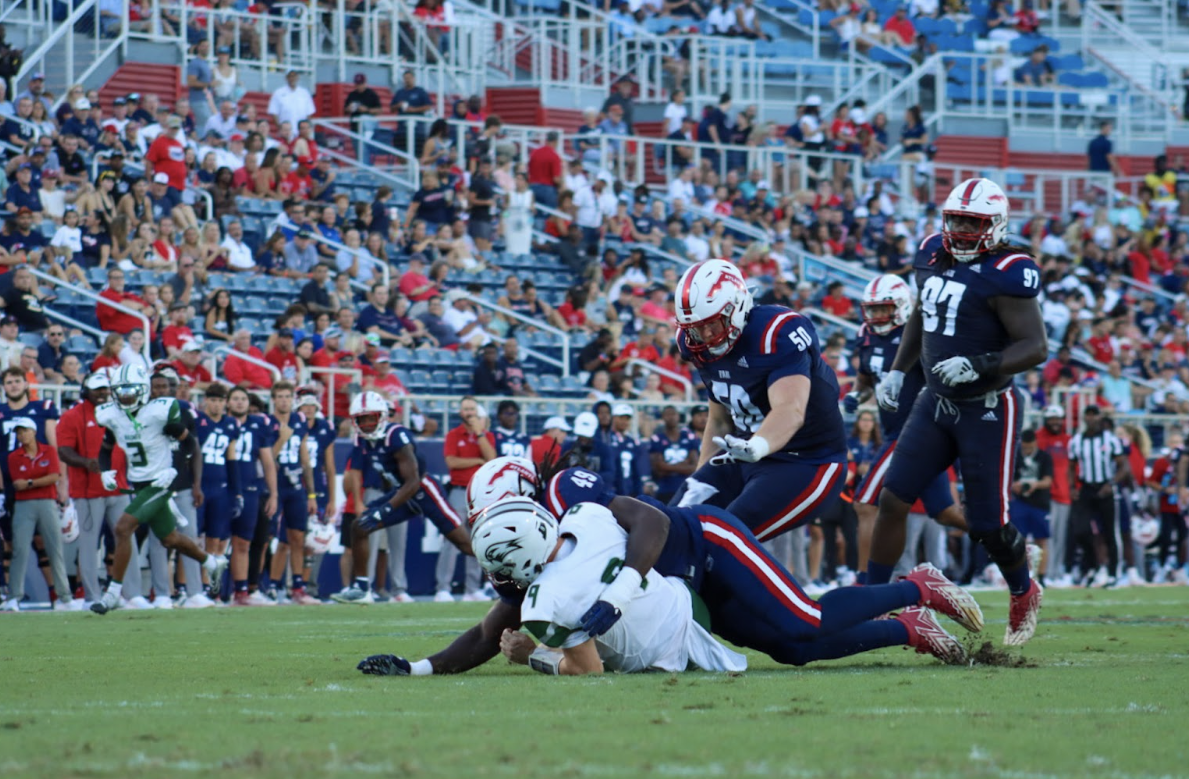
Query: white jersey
657, 630
141, 434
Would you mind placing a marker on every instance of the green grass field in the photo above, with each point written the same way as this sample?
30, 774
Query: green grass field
274, 693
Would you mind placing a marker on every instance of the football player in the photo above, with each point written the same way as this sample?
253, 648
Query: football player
258, 473
297, 497
145, 430
223, 498
509, 441
886, 307
673, 450
385, 453
774, 450
628, 453
977, 324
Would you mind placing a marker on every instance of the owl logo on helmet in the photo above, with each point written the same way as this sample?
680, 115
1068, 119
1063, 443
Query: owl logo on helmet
974, 219
503, 477
886, 303
368, 412
130, 387
514, 538
713, 303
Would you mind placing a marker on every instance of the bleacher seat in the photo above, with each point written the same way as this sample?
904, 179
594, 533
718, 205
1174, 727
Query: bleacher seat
30, 339
80, 343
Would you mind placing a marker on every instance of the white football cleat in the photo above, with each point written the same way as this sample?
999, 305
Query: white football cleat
475, 597
10, 605
161, 603
1023, 615
198, 601
109, 602
260, 598
137, 604
68, 605
403, 597
443, 596
354, 595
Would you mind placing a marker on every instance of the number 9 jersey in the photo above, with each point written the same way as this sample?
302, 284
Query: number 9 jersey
957, 318
775, 343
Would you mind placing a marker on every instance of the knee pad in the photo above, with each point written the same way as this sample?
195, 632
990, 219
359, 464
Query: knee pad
1005, 546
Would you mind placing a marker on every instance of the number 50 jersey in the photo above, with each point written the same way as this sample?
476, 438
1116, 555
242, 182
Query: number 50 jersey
777, 342
957, 319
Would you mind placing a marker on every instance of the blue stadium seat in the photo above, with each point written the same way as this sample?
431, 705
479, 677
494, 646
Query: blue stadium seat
1068, 62
1095, 81
548, 383
30, 339
80, 343
420, 379
97, 276
401, 356
1070, 80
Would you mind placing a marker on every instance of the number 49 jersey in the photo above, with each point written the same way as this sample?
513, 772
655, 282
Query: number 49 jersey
775, 343
142, 435
957, 318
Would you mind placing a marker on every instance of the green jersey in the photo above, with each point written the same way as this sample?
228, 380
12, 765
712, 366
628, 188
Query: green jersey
141, 434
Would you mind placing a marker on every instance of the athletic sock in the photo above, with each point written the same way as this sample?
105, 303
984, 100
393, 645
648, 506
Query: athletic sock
1018, 580
206, 589
241, 585
878, 573
363, 583
115, 588
872, 634
861, 578
298, 583
848, 606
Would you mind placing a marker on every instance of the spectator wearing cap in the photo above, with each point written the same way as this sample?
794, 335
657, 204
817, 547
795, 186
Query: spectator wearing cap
10, 347
243, 373
167, 154
332, 339
514, 374
114, 320
360, 105
627, 453
190, 368
589, 445
901, 25
657, 310
282, 355
487, 378
460, 316
35, 90
291, 102
144, 107
551, 443
22, 301
1063, 359
177, 333
299, 257
22, 193
414, 284
643, 228
545, 174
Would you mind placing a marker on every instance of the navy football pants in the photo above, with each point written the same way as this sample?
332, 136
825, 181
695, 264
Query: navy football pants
936, 495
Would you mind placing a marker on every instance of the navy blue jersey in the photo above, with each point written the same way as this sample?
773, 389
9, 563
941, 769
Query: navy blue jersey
40, 411
597, 457
320, 437
957, 318
775, 343
509, 443
876, 355
673, 453
376, 458
289, 455
213, 440
256, 432
631, 461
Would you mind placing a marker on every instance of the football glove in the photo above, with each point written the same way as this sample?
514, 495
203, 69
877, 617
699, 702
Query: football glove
385, 665
887, 394
111, 480
237, 508
955, 371
376, 517
740, 450
850, 403
164, 479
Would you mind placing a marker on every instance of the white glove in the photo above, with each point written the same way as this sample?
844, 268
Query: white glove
887, 394
164, 479
735, 449
110, 481
955, 371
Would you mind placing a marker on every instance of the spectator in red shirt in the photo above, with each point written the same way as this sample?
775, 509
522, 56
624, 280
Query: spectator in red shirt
1027, 22
190, 368
900, 24
332, 339
242, 373
167, 155
545, 174
414, 284
673, 363
837, 303
549, 444
1052, 369
297, 183
33, 467
1054, 439
573, 311
282, 356
337, 396
1101, 345
109, 355
177, 333
1146, 259
466, 448
112, 319
643, 348
658, 310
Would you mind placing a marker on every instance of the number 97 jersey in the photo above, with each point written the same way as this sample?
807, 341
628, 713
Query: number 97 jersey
775, 343
958, 318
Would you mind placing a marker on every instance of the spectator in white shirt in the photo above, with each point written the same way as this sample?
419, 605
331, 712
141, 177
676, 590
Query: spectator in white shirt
239, 254
460, 316
682, 187
223, 122
697, 248
292, 102
68, 239
675, 112
594, 204
575, 176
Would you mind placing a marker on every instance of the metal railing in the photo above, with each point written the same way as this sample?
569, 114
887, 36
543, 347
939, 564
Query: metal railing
529, 321
677, 377
70, 53
99, 300
1103, 33
227, 349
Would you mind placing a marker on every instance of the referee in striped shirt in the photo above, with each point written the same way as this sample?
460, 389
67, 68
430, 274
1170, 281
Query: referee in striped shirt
1096, 461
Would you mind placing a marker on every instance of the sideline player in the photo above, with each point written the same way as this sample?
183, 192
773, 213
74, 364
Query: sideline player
320, 438
297, 496
673, 451
775, 429
145, 430
386, 449
223, 498
886, 307
977, 324
258, 471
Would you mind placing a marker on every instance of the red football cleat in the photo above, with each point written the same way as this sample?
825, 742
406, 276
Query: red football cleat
928, 637
241, 599
302, 598
945, 597
1021, 620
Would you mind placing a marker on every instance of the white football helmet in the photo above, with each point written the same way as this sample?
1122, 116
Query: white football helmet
712, 307
886, 303
974, 219
320, 537
130, 387
69, 523
369, 405
503, 477
513, 539
1145, 529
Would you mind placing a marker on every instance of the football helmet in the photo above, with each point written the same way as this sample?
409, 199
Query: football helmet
130, 387
369, 410
320, 537
503, 477
513, 538
886, 303
712, 307
69, 523
974, 219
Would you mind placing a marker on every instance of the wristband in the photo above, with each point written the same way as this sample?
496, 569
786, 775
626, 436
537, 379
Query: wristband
312, 495
627, 585
546, 661
760, 446
987, 364
421, 668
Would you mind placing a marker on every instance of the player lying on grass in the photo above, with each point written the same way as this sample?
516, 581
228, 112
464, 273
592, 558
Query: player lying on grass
751, 599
